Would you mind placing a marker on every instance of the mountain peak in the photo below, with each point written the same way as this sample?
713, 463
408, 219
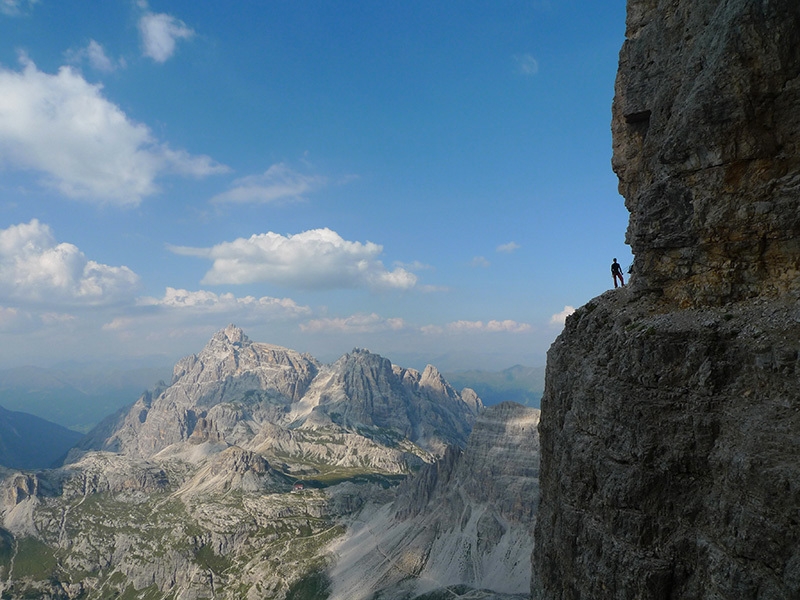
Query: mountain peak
232, 335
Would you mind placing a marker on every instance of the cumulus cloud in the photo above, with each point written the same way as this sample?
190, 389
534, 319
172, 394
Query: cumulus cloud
560, 317
35, 268
526, 64
508, 248
160, 33
314, 259
360, 323
86, 146
209, 302
181, 315
96, 56
279, 182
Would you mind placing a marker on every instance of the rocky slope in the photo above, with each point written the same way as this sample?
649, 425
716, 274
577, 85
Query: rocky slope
671, 415
465, 521
190, 493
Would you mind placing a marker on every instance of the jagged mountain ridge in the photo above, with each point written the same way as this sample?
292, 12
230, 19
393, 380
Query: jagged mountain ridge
215, 514
189, 493
280, 403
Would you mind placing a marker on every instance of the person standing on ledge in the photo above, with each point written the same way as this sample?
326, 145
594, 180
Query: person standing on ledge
616, 271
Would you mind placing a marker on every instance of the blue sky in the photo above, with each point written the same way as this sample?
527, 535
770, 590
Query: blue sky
430, 180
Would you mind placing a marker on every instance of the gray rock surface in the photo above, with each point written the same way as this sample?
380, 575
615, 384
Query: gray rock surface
464, 522
706, 132
359, 411
670, 423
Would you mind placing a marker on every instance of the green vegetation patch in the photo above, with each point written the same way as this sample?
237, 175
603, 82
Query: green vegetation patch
314, 586
6, 548
34, 559
206, 558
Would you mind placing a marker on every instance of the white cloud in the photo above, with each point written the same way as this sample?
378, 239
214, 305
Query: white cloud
16, 7
86, 146
209, 302
21, 321
480, 261
314, 259
160, 33
182, 314
560, 317
508, 248
34, 268
527, 64
96, 55
359, 323
279, 182
506, 326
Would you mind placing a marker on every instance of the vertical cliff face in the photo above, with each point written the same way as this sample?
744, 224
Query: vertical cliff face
706, 131
670, 429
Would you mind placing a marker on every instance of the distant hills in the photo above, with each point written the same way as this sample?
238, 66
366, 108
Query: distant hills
28, 442
524, 385
78, 396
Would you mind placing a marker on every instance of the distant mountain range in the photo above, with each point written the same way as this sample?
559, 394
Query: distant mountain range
29, 442
524, 385
260, 472
78, 396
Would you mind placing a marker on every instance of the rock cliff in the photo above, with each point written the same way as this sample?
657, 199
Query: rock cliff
462, 523
706, 132
670, 423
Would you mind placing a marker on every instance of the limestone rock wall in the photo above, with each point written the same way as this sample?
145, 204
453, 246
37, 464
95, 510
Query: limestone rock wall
706, 131
671, 453
670, 428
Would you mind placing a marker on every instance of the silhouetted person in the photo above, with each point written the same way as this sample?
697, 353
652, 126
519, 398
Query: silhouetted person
616, 271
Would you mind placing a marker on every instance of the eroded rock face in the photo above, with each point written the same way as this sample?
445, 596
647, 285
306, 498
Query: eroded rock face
670, 428
706, 131
670, 445
190, 492
466, 520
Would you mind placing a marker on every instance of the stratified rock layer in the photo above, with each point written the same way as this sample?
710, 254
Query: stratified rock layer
706, 131
670, 431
